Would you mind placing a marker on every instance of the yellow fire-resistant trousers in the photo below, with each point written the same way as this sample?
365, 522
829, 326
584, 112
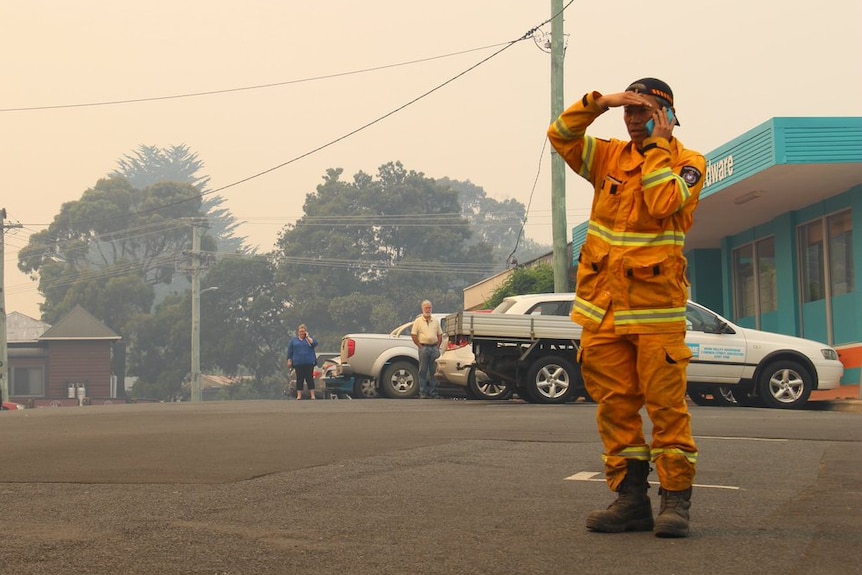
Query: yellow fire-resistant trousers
624, 373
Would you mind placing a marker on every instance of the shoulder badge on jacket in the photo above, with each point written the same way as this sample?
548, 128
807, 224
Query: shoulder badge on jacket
690, 175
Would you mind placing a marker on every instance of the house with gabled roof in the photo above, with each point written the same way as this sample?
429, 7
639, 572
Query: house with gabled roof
53, 365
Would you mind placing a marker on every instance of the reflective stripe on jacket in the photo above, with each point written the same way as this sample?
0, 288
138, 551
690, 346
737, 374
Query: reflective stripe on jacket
643, 204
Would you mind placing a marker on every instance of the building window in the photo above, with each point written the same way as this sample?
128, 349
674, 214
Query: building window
743, 280
826, 240
841, 277
27, 381
811, 267
755, 291
768, 301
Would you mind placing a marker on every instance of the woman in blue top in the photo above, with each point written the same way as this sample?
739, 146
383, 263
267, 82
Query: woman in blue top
301, 357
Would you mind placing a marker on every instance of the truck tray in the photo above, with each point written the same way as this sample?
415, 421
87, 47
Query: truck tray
511, 326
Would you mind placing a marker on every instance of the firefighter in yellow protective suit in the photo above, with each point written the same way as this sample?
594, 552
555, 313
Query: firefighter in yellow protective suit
631, 296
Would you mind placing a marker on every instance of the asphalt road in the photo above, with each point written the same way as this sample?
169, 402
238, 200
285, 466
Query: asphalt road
396, 487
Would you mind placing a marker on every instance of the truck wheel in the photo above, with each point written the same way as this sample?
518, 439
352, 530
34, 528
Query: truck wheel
485, 388
400, 381
365, 388
551, 379
785, 385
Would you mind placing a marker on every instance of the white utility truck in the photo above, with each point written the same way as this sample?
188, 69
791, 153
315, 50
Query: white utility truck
384, 364
535, 354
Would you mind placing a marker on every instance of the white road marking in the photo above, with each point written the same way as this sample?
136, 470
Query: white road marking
597, 476
740, 438
585, 476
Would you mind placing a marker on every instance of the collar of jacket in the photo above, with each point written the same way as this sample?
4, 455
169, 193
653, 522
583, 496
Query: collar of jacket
632, 157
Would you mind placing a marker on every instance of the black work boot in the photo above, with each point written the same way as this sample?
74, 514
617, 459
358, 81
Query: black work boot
672, 520
632, 510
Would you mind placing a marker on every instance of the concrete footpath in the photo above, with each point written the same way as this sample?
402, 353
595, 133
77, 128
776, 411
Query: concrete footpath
844, 398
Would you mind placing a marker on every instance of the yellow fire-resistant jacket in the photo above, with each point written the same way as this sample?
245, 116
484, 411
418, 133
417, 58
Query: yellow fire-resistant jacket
643, 204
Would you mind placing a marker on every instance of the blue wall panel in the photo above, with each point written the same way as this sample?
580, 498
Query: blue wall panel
813, 324
705, 276
844, 309
771, 322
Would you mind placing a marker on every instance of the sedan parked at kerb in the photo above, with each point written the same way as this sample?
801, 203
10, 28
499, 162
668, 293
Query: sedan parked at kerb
756, 367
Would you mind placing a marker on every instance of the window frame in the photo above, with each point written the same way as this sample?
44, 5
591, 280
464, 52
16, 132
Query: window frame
826, 272
755, 275
13, 377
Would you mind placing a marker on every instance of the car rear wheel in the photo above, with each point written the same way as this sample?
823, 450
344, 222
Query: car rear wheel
365, 388
485, 388
785, 384
551, 379
400, 381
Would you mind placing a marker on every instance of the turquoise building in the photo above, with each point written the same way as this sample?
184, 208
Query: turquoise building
773, 244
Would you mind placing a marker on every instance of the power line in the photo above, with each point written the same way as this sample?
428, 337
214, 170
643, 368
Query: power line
505, 46
414, 220
510, 259
420, 266
245, 88
412, 266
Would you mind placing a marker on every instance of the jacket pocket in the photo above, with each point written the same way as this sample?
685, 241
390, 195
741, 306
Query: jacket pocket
591, 263
611, 186
678, 354
651, 282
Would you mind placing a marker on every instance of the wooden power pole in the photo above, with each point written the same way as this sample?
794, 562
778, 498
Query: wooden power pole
4, 354
558, 166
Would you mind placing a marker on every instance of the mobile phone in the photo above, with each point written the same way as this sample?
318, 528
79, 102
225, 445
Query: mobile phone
650, 125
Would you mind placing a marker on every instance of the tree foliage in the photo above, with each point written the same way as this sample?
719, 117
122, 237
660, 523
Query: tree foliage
149, 165
368, 251
114, 230
535, 279
118, 248
363, 256
162, 359
243, 332
499, 224
246, 319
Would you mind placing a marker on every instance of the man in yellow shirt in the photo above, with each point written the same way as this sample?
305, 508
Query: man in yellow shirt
427, 336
